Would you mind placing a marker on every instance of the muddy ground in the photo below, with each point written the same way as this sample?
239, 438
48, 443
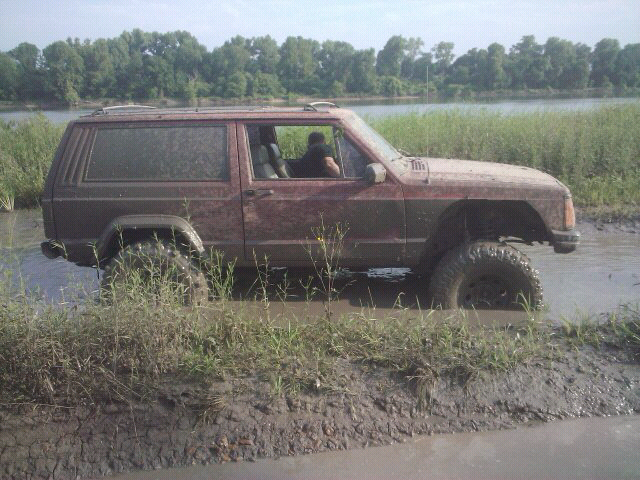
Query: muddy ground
239, 420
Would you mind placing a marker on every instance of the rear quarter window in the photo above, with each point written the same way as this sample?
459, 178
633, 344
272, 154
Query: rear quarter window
159, 153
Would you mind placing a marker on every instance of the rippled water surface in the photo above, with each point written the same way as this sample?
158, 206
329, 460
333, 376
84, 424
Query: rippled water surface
602, 274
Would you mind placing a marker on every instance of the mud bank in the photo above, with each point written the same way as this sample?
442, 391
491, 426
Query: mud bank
238, 420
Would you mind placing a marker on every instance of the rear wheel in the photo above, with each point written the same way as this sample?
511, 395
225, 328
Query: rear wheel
155, 265
485, 275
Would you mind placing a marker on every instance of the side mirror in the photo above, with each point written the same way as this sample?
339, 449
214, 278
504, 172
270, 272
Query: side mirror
375, 173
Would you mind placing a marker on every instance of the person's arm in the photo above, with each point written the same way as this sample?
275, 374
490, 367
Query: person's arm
331, 167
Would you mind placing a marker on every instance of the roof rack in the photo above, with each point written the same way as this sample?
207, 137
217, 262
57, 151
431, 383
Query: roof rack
313, 106
122, 108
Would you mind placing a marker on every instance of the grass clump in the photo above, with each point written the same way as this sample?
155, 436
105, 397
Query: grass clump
26, 152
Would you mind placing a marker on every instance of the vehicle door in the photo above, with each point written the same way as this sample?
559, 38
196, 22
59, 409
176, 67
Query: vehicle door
291, 220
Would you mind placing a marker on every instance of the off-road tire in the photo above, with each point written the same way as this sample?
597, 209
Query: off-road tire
158, 256
485, 275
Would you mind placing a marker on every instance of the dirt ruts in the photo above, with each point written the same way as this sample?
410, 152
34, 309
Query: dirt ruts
239, 420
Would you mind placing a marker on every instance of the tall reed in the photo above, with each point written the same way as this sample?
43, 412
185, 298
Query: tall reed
596, 152
26, 152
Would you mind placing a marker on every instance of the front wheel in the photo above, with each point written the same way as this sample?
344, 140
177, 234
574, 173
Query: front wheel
154, 265
485, 275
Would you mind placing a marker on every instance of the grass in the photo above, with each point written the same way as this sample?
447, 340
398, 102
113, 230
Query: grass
26, 152
124, 348
596, 152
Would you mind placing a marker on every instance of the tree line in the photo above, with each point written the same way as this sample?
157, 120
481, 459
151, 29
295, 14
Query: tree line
150, 66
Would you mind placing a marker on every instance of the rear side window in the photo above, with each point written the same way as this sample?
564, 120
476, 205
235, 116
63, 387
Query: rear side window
160, 153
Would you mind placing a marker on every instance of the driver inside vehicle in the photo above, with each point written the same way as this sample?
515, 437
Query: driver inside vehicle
318, 160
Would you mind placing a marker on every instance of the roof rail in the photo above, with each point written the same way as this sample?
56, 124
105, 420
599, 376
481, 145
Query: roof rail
122, 108
313, 106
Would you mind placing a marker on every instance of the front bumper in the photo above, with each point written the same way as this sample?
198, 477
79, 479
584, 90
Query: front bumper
565, 241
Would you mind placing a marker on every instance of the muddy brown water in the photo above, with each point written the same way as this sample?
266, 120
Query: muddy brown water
602, 274
585, 448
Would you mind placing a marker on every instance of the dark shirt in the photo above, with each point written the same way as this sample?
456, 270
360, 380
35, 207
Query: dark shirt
311, 163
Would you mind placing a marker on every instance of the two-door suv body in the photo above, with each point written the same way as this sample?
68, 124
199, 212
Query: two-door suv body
225, 179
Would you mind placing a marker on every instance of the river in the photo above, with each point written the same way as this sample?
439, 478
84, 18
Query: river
396, 107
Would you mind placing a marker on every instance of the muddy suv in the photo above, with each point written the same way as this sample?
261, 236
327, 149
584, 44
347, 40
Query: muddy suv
174, 185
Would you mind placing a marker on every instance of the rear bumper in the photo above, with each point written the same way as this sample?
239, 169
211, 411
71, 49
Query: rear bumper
565, 241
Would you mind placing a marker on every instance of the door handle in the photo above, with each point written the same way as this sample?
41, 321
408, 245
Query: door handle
260, 192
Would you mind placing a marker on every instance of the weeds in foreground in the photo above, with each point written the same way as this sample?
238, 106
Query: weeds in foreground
325, 251
124, 350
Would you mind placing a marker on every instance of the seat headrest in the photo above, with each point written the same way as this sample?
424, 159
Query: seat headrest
259, 155
274, 151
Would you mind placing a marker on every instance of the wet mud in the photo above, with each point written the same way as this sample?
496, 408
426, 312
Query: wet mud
238, 420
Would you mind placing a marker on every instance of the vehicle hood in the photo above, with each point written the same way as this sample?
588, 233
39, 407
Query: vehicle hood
445, 170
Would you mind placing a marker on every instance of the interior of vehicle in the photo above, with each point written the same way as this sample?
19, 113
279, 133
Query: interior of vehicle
277, 150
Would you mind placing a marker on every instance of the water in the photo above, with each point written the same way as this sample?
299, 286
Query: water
505, 107
603, 273
381, 109
571, 449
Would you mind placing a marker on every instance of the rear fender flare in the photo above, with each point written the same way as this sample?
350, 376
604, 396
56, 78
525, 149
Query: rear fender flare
154, 223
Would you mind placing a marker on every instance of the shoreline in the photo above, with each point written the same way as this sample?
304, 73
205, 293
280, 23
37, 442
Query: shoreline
294, 99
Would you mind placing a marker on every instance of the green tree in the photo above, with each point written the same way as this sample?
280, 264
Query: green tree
604, 57
9, 77
443, 57
99, 74
423, 68
627, 66
189, 54
413, 51
265, 55
236, 85
298, 67
470, 68
265, 85
389, 59
334, 64
391, 86
577, 76
31, 81
496, 75
65, 70
560, 55
363, 72
120, 58
527, 65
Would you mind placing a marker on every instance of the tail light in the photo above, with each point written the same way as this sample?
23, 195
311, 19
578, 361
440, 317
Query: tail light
569, 213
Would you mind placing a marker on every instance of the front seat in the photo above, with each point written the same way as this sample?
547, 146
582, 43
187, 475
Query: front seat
260, 160
280, 166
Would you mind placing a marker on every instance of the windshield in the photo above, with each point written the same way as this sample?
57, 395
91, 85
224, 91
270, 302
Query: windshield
393, 158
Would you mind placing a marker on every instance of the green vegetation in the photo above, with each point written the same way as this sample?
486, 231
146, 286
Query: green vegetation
26, 152
155, 66
596, 153
125, 347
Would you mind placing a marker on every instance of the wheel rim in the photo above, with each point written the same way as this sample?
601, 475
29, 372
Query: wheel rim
486, 291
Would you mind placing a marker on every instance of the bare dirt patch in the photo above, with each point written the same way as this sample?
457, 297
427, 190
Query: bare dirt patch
242, 419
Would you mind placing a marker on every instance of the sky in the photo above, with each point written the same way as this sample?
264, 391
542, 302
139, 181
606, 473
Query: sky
362, 23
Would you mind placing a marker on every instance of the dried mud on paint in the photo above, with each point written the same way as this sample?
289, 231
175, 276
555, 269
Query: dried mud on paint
238, 420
